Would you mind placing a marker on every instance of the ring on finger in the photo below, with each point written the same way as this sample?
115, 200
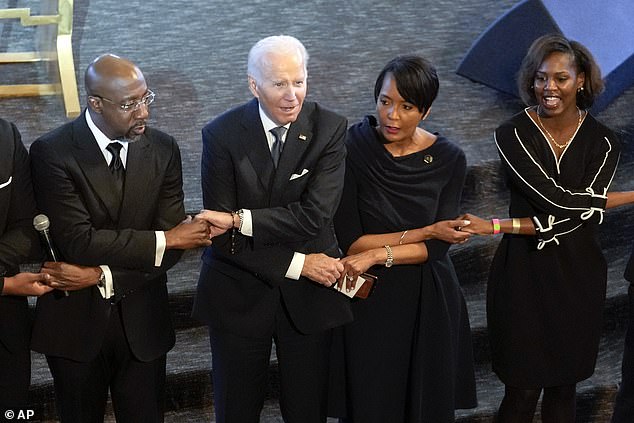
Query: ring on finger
349, 277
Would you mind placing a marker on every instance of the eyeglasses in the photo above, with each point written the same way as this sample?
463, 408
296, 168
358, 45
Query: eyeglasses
133, 106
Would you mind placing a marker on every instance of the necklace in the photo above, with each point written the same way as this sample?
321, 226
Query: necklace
553, 138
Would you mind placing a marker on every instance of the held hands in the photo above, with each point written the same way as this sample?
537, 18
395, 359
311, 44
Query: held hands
25, 284
190, 233
478, 226
359, 263
70, 277
322, 269
452, 231
219, 222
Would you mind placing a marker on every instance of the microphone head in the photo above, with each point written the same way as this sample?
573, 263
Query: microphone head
41, 222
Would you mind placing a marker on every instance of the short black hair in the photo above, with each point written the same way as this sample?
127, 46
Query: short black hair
416, 80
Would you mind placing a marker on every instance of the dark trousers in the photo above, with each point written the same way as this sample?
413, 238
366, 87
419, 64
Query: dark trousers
15, 377
137, 388
624, 403
240, 373
15, 354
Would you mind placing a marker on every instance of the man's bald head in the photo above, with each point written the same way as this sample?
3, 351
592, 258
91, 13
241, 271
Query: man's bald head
109, 73
112, 84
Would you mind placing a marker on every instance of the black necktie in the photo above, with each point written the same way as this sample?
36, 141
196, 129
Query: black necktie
116, 166
278, 145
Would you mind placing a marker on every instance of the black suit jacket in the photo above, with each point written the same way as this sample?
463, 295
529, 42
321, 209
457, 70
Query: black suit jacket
19, 242
73, 187
292, 210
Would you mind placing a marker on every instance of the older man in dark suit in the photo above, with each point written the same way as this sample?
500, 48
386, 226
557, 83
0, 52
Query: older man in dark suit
112, 188
18, 244
272, 173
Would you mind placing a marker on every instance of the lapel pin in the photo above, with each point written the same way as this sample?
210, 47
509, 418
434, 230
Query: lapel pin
302, 137
428, 159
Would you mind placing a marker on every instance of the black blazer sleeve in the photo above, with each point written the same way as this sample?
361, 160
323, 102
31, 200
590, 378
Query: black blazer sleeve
524, 168
294, 213
19, 242
67, 183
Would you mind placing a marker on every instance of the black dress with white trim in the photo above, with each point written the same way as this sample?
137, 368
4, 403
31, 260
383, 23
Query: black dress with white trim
546, 292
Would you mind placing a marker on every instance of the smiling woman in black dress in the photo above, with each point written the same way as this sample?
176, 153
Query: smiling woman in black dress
548, 277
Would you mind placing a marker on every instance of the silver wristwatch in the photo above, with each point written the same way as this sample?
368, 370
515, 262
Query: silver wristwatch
101, 283
390, 257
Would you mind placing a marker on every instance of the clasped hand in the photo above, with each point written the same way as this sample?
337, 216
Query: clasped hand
322, 269
70, 277
192, 233
219, 222
26, 283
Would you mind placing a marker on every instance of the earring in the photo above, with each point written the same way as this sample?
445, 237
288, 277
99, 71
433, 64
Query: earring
580, 90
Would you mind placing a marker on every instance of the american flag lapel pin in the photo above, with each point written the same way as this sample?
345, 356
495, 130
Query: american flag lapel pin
302, 137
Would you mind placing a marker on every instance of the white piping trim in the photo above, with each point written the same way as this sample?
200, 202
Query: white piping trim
557, 160
7, 183
548, 177
551, 222
542, 243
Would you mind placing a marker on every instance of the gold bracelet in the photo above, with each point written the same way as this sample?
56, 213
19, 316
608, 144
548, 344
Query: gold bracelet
516, 226
400, 241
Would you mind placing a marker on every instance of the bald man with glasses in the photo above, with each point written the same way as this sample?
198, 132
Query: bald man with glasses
112, 188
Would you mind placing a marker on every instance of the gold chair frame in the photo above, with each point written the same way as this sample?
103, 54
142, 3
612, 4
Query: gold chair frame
63, 54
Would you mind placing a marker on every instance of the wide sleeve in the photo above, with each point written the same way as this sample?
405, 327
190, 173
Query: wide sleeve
560, 209
527, 172
448, 205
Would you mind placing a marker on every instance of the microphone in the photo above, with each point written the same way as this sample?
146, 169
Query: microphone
41, 224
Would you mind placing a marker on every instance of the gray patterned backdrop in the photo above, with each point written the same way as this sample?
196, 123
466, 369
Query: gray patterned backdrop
193, 54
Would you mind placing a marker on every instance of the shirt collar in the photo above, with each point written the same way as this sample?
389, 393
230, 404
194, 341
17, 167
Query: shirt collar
102, 139
268, 124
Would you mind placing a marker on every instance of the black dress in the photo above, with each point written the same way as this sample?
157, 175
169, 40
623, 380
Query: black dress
546, 292
408, 352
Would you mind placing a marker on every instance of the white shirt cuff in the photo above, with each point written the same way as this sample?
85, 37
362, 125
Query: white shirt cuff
107, 291
297, 264
247, 223
161, 243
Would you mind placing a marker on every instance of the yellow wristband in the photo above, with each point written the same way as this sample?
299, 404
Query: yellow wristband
496, 226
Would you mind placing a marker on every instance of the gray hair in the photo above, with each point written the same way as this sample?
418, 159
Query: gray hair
281, 44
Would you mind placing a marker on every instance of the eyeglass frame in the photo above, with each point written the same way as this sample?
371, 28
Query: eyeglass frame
147, 99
